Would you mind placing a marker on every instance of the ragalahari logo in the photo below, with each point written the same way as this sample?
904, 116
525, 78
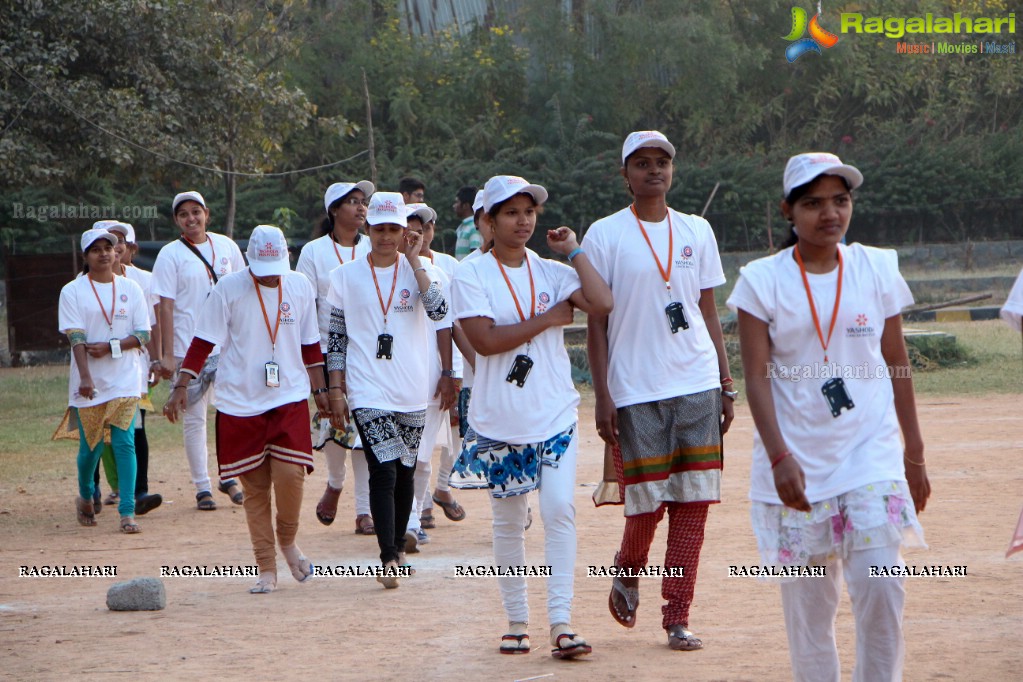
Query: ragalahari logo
819, 37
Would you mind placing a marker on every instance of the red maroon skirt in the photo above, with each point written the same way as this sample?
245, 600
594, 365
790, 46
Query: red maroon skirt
282, 433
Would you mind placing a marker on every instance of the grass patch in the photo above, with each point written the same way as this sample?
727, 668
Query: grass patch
993, 361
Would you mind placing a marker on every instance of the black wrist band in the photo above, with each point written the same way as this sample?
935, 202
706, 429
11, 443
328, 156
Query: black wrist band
319, 391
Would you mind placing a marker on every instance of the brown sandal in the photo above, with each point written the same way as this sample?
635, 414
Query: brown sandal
364, 525
326, 508
84, 509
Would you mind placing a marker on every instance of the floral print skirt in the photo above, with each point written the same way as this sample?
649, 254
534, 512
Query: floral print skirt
506, 469
875, 515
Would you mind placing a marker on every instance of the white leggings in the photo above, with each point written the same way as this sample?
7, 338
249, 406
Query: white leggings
557, 509
194, 429
336, 474
810, 606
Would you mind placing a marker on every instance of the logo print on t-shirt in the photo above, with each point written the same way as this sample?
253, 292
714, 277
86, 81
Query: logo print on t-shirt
124, 298
685, 259
861, 328
544, 298
404, 305
286, 316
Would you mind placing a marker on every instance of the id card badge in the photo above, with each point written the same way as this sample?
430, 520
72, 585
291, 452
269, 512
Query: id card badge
676, 317
385, 344
837, 396
273, 375
115, 348
519, 370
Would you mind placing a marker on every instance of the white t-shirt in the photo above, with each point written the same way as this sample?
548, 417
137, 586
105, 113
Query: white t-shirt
144, 279
317, 259
232, 318
1012, 311
861, 445
447, 264
467, 374
444, 282
646, 361
401, 383
179, 275
546, 404
79, 309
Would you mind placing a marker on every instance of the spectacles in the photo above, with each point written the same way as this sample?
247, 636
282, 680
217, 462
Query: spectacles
355, 201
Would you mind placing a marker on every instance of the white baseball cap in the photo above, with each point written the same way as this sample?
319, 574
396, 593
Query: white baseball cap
387, 207
267, 252
116, 226
90, 237
477, 203
339, 190
502, 187
191, 195
424, 212
646, 138
804, 168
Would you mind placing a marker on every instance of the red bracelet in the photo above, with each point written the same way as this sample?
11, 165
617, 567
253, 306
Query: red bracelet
777, 460
727, 380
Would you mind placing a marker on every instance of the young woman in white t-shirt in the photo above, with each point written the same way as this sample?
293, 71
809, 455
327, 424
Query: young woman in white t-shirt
342, 241
185, 272
513, 306
829, 385
106, 321
384, 306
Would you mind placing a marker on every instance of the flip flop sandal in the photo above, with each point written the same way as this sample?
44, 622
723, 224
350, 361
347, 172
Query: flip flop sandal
515, 644
231, 489
128, 525
326, 508
265, 585
631, 597
452, 509
575, 646
204, 501
427, 522
85, 513
364, 525
112, 499
681, 639
405, 565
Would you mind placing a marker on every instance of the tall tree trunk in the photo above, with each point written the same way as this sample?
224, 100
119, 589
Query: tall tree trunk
230, 183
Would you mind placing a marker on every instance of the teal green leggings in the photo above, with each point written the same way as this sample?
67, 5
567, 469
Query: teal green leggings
123, 442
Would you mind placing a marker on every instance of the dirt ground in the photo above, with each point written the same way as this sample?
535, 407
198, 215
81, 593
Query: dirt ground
438, 627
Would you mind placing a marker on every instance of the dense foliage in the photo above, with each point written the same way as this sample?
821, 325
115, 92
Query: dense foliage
542, 89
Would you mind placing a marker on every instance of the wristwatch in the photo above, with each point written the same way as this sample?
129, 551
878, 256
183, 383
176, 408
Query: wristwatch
448, 373
730, 394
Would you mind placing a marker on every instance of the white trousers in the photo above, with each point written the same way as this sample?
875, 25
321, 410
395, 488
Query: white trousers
194, 428
811, 604
449, 442
435, 418
557, 509
336, 474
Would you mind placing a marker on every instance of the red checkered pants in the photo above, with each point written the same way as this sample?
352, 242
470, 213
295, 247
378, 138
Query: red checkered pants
686, 524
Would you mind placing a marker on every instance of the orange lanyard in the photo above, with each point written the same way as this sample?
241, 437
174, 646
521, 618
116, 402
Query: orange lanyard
113, 300
266, 318
813, 308
213, 251
394, 285
532, 288
666, 274
338, 253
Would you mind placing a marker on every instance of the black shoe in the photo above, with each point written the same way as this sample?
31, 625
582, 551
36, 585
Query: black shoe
147, 502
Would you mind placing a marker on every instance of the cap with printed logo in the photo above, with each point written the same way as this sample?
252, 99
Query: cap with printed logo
646, 138
90, 237
124, 229
386, 207
804, 168
267, 252
502, 187
339, 190
422, 211
191, 195
477, 203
